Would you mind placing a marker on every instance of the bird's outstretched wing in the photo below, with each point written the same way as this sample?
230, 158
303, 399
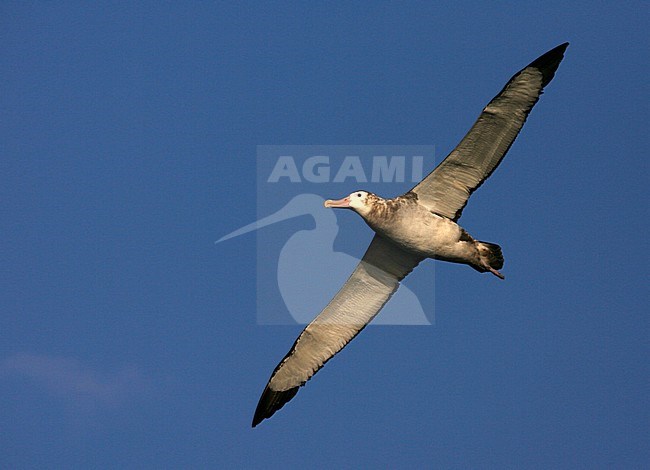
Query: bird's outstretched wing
446, 189
372, 283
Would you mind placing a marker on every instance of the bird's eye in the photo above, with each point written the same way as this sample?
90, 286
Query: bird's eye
358, 194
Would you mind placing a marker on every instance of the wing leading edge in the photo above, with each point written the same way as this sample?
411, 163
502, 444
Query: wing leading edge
446, 189
373, 282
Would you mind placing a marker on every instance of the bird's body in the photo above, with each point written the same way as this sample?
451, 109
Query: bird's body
415, 228
419, 224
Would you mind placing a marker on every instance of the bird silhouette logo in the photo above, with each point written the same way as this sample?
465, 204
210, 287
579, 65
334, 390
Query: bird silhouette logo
310, 272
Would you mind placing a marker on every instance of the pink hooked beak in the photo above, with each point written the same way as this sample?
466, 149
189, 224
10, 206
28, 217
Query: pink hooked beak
345, 202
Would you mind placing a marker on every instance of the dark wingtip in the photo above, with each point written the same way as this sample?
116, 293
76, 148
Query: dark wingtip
270, 402
549, 62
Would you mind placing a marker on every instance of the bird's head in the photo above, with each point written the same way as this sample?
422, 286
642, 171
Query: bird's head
359, 201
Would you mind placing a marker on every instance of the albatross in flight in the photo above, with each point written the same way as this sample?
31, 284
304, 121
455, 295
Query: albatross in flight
410, 228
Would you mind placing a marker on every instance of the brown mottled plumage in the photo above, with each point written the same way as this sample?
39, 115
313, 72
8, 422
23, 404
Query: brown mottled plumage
387, 208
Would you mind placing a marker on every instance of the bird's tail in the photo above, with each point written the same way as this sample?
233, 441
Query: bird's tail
491, 254
491, 257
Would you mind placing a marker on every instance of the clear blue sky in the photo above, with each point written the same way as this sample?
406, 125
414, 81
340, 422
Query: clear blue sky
128, 139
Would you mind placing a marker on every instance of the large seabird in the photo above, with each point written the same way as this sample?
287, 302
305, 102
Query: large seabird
417, 225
